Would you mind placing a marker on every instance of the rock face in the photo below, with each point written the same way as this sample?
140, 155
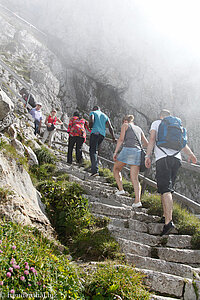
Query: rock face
23, 204
6, 105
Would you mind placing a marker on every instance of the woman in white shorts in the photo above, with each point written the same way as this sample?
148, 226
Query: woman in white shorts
130, 155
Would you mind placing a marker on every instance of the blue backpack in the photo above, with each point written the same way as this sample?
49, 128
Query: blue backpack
171, 134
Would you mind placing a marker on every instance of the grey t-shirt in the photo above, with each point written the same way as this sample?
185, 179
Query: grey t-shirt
130, 140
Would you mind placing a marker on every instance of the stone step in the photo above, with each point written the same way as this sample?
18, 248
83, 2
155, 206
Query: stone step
156, 297
185, 256
169, 285
122, 211
175, 241
159, 265
132, 235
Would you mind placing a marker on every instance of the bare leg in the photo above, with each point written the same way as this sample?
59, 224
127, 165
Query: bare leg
167, 203
134, 171
117, 173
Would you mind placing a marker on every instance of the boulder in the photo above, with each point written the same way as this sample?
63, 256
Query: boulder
6, 105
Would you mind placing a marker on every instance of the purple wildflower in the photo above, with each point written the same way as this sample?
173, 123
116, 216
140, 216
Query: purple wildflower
29, 284
26, 272
1, 251
10, 269
27, 267
0, 241
8, 274
12, 291
1, 282
13, 247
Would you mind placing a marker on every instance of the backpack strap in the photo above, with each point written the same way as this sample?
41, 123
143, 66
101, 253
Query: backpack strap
166, 153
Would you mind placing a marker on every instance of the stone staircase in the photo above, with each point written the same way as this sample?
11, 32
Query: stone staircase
171, 267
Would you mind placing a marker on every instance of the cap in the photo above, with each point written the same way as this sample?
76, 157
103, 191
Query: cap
39, 103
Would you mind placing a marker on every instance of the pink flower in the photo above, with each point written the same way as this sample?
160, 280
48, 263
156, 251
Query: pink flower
22, 278
0, 241
39, 282
8, 274
1, 282
44, 286
29, 284
12, 291
17, 267
10, 269
26, 264
27, 267
26, 272
1, 251
32, 269
13, 247
12, 261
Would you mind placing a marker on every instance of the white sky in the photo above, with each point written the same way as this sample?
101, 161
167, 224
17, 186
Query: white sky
177, 20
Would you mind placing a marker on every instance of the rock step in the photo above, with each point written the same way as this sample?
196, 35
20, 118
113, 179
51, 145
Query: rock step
185, 256
174, 241
122, 212
151, 228
169, 285
156, 297
159, 265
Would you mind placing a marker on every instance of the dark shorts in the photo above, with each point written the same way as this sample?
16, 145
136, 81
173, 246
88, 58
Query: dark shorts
166, 171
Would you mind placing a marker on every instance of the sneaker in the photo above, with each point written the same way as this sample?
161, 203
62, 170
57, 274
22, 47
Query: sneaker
167, 228
122, 192
137, 205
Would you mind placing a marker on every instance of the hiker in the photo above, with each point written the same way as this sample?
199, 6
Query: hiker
98, 121
168, 161
77, 136
37, 116
131, 137
50, 130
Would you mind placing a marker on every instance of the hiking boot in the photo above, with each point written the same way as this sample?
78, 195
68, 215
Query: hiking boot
137, 205
167, 228
122, 192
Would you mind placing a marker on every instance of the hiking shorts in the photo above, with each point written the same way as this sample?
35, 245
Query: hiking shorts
166, 171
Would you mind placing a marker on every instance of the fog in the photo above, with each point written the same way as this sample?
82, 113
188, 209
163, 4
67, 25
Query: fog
149, 48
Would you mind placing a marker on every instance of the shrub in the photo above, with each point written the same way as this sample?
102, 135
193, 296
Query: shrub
42, 172
31, 265
107, 281
44, 156
66, 206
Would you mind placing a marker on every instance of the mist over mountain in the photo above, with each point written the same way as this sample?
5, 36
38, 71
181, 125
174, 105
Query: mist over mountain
119, 43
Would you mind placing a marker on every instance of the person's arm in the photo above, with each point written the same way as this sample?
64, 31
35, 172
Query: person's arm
120, 140
111, 130
91, 121
59, 121
70, 126
144, 140
152, 140
190, 154
86, 125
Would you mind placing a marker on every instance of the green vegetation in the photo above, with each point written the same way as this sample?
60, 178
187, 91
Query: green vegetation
108, 281
4, 194
31, 264
44, 156
10, 152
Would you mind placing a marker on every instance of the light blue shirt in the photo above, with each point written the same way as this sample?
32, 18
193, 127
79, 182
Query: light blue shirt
36, 114
99, 124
